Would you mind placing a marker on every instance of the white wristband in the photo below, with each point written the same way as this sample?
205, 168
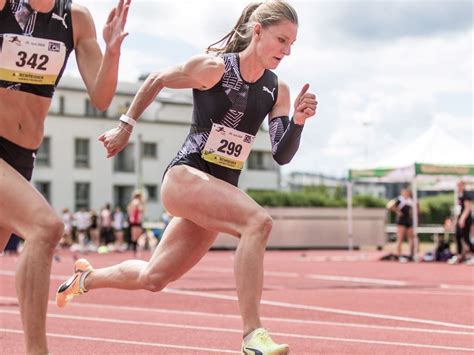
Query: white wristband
128, 120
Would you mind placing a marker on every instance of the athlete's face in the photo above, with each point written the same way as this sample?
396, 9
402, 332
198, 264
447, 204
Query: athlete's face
405, 193
274, 42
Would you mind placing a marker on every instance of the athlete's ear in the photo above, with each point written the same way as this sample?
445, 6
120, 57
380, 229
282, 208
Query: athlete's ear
257, 29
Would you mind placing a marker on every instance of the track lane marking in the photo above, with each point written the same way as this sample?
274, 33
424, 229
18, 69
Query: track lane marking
127, 342
283, 320
300, 336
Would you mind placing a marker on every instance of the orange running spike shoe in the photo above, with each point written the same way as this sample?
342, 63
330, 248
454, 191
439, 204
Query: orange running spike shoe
74, 286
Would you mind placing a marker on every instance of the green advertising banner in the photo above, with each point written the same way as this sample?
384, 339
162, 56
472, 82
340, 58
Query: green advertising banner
369, 173
434, 169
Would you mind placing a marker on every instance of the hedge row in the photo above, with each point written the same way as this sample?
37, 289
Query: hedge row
433, 209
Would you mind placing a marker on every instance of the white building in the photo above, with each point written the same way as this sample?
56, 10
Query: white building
72, 170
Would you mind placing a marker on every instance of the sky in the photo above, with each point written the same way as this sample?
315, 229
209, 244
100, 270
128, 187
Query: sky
384, 72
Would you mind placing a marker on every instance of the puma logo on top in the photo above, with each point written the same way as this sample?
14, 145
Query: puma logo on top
59, 18
270, 92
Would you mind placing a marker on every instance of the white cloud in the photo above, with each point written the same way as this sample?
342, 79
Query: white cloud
400, 83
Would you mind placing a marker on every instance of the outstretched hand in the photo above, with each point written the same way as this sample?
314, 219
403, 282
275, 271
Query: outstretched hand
305, 106
115, 140
114, 28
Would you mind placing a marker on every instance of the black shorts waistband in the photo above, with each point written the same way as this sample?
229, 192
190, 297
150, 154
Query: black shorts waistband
21, 159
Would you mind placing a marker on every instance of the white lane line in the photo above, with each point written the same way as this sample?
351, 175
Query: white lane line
314, 308
127, 342
269, 319
333, 258
228, 270
218, 329
288, 335
321, 309
364, 280
377, 291
312, 276
53, 277
132, 322
457, 287
371, 342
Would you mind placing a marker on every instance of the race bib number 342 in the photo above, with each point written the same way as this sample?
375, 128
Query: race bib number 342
227, 147
30, 60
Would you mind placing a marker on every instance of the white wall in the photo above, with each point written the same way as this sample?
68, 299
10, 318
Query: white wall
166, 124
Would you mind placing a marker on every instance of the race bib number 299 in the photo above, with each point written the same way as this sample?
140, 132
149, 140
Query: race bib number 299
227, 147
30, 60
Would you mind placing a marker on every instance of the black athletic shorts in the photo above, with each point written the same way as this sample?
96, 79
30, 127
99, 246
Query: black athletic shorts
194, 160
19, 158
405, 222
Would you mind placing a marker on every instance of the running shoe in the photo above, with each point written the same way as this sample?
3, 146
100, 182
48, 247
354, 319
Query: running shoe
456, 259
74, 286
259, 343
469, 261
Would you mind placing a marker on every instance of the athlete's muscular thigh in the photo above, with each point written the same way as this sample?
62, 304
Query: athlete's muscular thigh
207, 201
23, 208
183, 244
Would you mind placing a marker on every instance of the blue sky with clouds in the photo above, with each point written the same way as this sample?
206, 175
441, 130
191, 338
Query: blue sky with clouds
384, 71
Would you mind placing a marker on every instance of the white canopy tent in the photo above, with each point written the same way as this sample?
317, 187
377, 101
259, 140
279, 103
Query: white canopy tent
435, 156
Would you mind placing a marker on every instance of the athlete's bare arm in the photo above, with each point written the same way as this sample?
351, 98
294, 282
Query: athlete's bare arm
98, 71
200, 72
2, 4
282, 105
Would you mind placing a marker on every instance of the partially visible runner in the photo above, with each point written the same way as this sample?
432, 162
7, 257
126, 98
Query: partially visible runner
402, 206
233, 93
135, 211
118, 224
36, 39
463, 225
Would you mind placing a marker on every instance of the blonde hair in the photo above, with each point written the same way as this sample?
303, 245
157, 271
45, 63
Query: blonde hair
266, 13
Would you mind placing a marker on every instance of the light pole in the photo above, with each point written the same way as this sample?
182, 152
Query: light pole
367, 123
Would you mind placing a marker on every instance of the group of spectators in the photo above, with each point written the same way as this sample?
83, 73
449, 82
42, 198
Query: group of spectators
402, 206
106, 230
88, 230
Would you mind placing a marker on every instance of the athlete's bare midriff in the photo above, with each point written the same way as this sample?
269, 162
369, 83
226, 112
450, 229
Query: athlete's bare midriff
22, 117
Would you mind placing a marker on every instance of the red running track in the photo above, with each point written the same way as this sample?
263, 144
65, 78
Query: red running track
319, 302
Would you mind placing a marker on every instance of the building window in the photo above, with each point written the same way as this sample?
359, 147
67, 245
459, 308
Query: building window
150, 150
259, 160
124, 161
151, 192
256, 161
82, 193
92, 111
61, 105
122, 195
43, 155
81, 147
57, 105
44, 187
